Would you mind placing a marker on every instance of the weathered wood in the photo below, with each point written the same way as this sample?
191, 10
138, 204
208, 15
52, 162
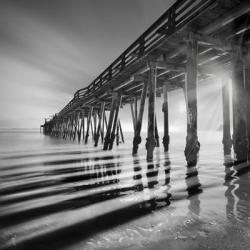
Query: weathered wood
91, 127
192, 143
136, 110
151, 142
240, 142
137, 136
83, 125
75, 126
120, 128
112, 136
88, 124
110, 122
95, 124
103, 125
133, 115
98, 132
117, 134
79, 132
156, 134
247, 86
227, 140
166, 138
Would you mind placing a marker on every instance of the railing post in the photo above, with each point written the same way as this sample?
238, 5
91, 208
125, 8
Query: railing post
192, 143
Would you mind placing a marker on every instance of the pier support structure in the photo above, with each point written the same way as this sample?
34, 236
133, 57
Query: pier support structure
151, 141
166, 138
115, 123
156, 134
137, 135
240, 140
192, 143
227, 140
99, 127
247, 86
88, 124
116, 97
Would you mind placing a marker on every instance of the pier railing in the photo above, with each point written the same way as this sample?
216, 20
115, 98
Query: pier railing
177, 16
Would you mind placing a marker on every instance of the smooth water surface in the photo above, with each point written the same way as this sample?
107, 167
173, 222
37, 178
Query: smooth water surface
59, 194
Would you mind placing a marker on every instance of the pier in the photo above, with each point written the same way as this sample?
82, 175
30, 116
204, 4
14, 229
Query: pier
192, 43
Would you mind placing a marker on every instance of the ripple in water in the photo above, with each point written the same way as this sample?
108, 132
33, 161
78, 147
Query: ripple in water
57, 194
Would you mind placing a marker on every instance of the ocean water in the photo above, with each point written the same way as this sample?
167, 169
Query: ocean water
60, 194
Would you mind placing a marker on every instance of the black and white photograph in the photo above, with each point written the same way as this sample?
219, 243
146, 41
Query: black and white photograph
124, 124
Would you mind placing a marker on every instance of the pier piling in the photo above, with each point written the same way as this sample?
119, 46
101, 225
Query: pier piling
166, 137
192, 143
227, 140
151, 142
240, 141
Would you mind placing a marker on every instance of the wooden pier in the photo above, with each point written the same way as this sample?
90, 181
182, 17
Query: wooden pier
193, 42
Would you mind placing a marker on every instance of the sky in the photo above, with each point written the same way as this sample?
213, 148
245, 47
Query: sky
49, 49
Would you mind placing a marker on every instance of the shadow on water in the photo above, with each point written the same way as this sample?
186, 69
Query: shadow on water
105, 181
98, 181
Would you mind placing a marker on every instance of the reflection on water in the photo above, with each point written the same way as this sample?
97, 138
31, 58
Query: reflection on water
68, 196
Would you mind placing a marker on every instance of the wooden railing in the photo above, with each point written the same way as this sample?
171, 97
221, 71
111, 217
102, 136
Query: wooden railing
177, 16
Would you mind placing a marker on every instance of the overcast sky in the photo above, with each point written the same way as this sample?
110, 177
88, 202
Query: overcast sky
51, 48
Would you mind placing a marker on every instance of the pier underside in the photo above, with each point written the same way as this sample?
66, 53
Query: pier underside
192, 43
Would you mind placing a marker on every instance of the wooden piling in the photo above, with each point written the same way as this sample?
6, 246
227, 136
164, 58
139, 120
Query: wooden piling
95, 123
247, 86
192, 143
117, 134
227, 140
137, 136
136, 109
88, 123
103, 125
151, 142
156, 134
166, 138
83, 124
120, 128
79, 130
133, 115
112, 136
98, 132
110, 122
240, 141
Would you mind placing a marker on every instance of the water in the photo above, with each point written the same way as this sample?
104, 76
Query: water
58, 194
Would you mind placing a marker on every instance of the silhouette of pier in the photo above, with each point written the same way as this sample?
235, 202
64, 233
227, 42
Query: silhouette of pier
193, 42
